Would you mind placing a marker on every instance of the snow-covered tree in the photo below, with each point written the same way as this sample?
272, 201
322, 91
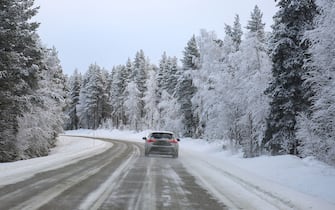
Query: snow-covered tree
172, 75
92, 98
316, 131
184, 93
117, 91
153, 117
161, 109
74, 83
132, 107
254, 75
256, 25
162, 74
191, 55
233, 76
185, 88
120, 78
170, 113
105, 104
289, 51
140, 72
167, 75
40, 124
235, 32
229, 105
207, 80
20, 64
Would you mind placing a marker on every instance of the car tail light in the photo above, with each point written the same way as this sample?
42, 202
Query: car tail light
151, 140
173, 141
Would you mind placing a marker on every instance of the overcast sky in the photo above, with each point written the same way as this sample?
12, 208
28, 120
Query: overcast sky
107, 32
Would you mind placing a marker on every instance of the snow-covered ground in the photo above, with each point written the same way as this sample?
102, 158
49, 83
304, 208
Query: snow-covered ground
306, 181
68, 150
305, 175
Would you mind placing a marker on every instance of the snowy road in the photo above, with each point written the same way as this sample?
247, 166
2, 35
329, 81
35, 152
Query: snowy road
84, 173
119, 178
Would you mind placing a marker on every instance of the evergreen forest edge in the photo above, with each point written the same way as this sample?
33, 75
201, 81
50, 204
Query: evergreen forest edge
260, 92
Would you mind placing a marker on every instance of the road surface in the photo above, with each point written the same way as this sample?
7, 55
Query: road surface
119, 178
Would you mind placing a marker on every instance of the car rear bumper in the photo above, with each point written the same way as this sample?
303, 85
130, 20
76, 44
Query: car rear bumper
170, 150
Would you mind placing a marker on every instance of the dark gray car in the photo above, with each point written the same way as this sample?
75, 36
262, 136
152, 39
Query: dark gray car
161, 142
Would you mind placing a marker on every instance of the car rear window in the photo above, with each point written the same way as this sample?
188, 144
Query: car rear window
161, 135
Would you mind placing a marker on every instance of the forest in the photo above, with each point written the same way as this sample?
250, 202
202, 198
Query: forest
257, 91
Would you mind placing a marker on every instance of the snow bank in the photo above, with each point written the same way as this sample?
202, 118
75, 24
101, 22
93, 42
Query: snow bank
68, 150
307, 175
113, 134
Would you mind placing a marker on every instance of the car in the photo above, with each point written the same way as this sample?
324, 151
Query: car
161, 142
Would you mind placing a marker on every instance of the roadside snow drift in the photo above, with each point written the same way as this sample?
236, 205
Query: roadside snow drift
68, 150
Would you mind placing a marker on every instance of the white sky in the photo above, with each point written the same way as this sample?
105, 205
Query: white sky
107, 32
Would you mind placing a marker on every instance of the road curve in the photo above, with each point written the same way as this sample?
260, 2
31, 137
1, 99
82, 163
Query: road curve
119, 178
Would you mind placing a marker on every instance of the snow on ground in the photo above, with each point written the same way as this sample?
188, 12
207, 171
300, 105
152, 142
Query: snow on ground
114, 134
282, 173
300, 183
307, 181
68, 150
306, 175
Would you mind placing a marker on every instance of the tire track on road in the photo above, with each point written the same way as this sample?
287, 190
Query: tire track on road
95, 199
42, 190
119, 178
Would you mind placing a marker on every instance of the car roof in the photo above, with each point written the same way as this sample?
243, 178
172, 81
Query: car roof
169, 132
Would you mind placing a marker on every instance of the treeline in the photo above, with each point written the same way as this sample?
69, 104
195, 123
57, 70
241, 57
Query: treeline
32, 90
264, 93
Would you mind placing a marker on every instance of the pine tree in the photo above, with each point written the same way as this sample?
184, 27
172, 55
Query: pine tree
191, 55
316, 130
114, 96
119, 78
185, 91
235, 33
173, 72
140, 77
105, 105
255, 24
162, 74
42, 122
167, 74
73, 101
91, 100
185, 88
162, 90
20, 58
286, 90
127, 79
